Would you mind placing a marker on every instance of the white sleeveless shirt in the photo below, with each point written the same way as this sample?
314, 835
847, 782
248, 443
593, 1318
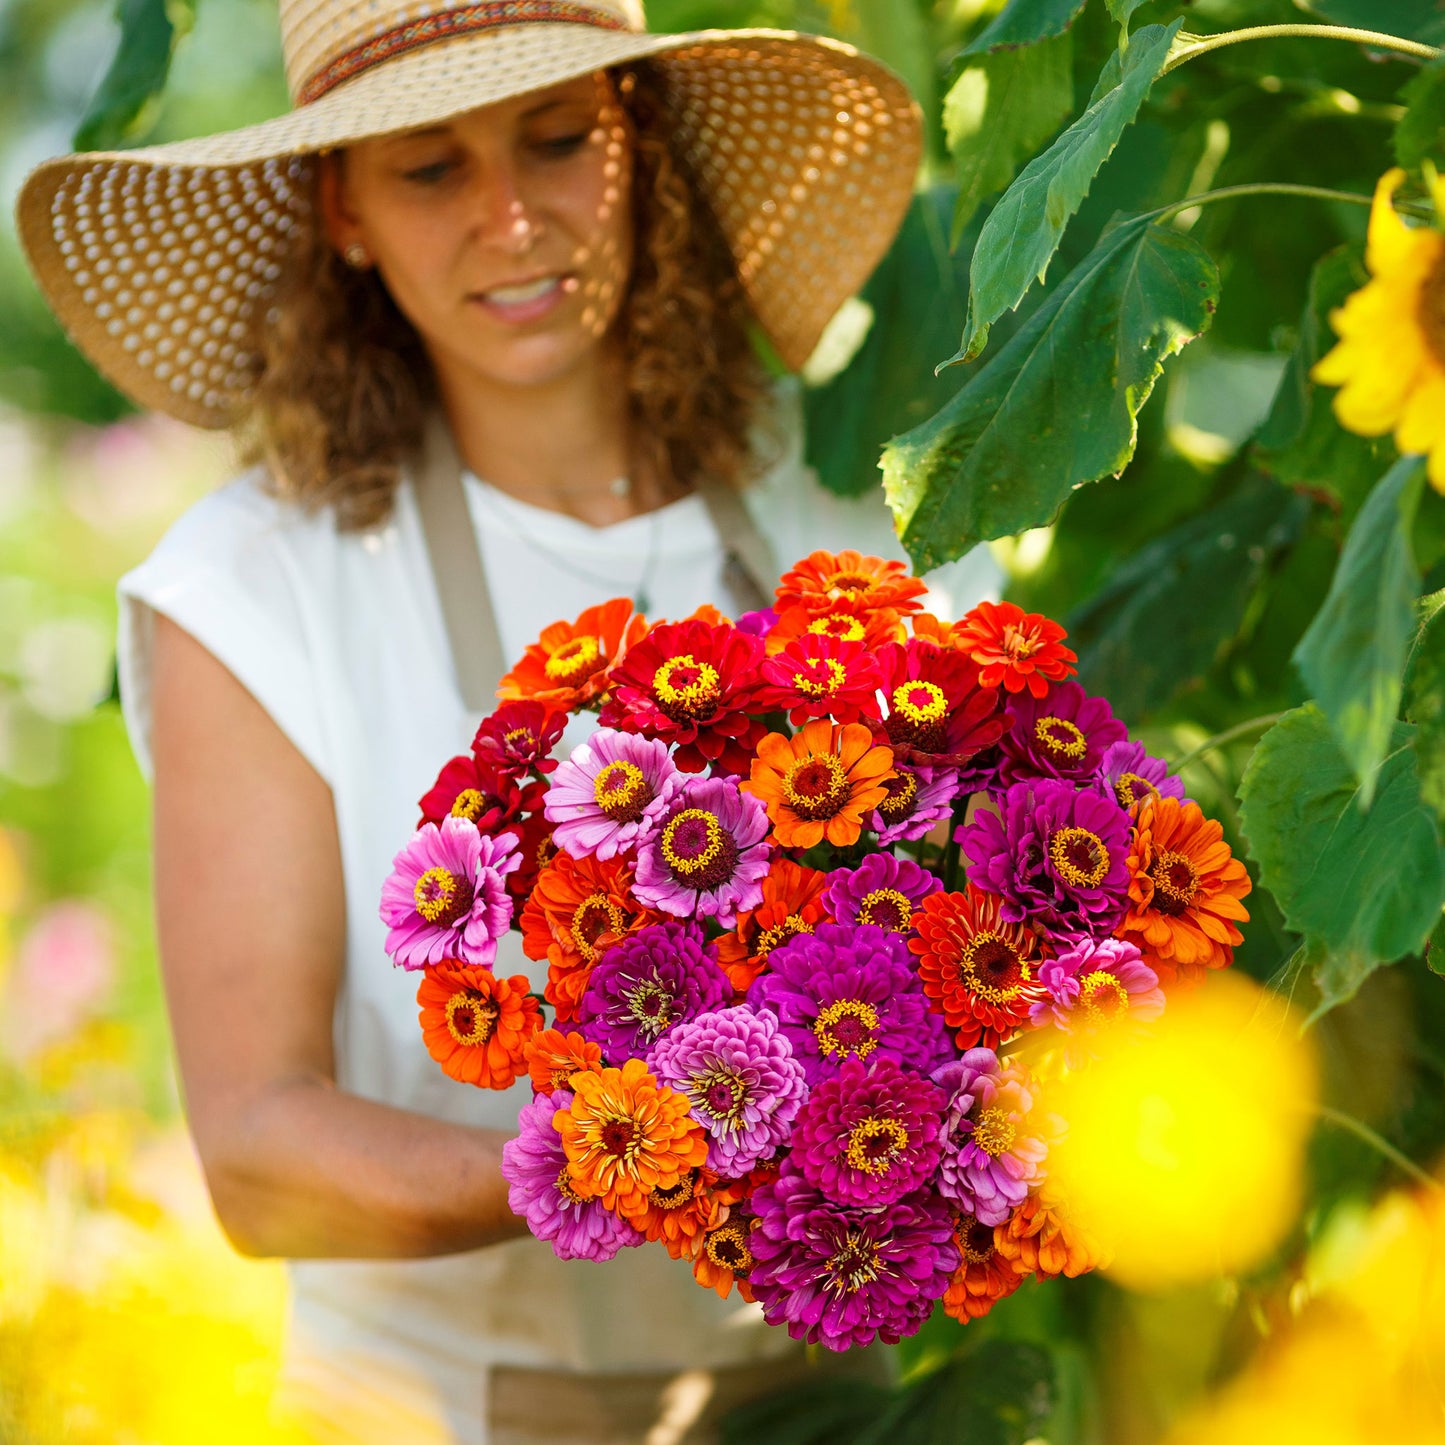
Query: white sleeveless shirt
339, 636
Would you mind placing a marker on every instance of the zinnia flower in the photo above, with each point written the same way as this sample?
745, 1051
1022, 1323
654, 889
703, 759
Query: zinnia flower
447, 895
917, 799
1129, 775
847, 991
725, 1258
938, 716
790, 906
823, 579
656, 978
983, 1276
883, 890
869, 1134
625, 1135
1056, 856
1184, 890
821, 783
1038, 1239
691, 684
1097, 984
1389, 362
1016, 650
843, 622
553, 1057
991, 1155
535, 849
519, 737
708, 855
1063, 734
476, 789
679, 1218
610, 793
845, 1277
737, 1068
976, 968
567, 666
817, 677
476, 1026
534, 1164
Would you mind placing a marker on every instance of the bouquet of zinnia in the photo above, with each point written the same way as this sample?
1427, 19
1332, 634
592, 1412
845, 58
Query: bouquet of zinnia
801, 895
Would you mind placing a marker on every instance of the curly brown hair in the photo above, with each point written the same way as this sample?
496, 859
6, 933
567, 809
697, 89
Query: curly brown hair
343, 380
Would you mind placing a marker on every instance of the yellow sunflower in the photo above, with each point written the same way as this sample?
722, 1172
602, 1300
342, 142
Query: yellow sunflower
1390, 360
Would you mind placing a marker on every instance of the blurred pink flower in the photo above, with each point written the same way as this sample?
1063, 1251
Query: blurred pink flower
63, 973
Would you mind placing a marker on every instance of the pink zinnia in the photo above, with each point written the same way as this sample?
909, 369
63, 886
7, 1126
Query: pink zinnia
447, 895
1096, 984
609, 795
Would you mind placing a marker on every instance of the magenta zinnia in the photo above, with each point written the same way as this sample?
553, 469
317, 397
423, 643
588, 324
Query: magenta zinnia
1063, 734
1097, 984
1128, 774
609, 794
883, 890
917, 799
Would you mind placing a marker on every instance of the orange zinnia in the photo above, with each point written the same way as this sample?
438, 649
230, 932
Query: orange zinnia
1184, 890
475, 1024
975, 968
820, 783
579, 908
790, 906
626, 1135
823, 579
1015, 649
553, 1058
1036, 1239
983, 1276
843, 621
724, 1259
679, 1217
567, 666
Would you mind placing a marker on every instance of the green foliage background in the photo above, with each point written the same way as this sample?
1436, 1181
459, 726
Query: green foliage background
1122, 315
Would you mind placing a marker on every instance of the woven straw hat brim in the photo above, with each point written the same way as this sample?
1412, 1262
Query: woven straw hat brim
156, 259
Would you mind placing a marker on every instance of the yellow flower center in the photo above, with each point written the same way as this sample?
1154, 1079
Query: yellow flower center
574, 660
595, 916
728, 1248
1102, 998
649, 1006
886, 908
1130, 788
1431, 314
921, 703
686, 687
1079, 857
620, 1136
779, 934
992, 967
993, 1132
441, 897
839, 624
1060, 738
469, 804
850, 582
697, 848
720, 1093
846, 1027
816, 787
565, 1189
854, 1264
902, 797
679, 1194
1176, 881
975, 1240
1019, 642
822, 678
471, 1018
874, 1143
621, 791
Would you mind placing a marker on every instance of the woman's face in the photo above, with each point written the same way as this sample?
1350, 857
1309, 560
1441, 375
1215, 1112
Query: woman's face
504, 235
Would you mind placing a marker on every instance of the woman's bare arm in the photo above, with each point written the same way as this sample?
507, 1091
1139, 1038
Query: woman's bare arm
251, 925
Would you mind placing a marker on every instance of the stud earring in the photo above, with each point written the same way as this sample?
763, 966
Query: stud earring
356, 256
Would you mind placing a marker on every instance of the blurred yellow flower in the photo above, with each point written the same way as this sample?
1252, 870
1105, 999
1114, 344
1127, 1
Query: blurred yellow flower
1390, 360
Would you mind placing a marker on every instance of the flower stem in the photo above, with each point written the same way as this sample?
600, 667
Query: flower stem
1382, 1146
1187, 46
1239, 730
1280, 188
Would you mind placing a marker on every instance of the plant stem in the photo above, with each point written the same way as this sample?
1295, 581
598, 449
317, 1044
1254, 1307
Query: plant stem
1382, 1146
1239, 730
1189, 46
1280, 188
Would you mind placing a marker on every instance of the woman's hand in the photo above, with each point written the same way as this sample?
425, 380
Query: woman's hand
251, 924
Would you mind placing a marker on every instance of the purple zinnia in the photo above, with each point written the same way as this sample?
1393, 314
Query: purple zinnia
845, 1277
1096, 983
534, 1165
989, 1157
849, 990
746, 1087
917, 798
447, 894
1129, 775
870, 1134
1056, 855
708, 854
655, 978
610, 793
1063, 734
882, 890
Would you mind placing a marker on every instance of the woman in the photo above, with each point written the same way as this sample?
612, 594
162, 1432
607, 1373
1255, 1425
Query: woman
523, 242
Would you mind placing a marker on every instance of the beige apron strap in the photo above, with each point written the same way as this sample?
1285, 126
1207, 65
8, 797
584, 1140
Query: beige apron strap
749, 570
457, 569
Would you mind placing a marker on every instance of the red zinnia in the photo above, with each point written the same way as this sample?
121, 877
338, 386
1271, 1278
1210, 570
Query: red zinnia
983, 1276
842, 622
865, 584
475, 1024
472, 787
819, 676
938, 714
536, 849
1015, 649
519, 737
567, 666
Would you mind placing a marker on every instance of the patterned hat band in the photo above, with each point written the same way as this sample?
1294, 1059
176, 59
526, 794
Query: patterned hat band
449, 25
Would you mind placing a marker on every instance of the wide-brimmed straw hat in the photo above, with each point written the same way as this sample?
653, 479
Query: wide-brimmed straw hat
156, 259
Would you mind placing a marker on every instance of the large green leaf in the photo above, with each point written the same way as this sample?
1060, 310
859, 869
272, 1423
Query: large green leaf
121, 108
1352, 658
1023, 22
889, 386
1202, 575
1365, 888
1425, 704
1420, 135
825, 1412
1057, 405
1000, 109
1023, 231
